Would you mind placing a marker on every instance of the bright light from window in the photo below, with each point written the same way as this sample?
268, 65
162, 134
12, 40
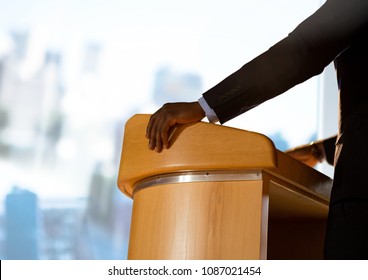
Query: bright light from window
72, 72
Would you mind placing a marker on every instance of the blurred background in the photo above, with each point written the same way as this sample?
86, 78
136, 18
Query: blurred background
73, 71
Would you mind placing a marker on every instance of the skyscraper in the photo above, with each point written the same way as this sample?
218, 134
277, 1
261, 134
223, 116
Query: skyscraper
21, 222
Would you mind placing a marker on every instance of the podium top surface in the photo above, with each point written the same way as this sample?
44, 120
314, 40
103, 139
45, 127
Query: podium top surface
209, 147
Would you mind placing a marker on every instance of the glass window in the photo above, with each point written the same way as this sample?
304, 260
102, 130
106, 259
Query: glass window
72, 72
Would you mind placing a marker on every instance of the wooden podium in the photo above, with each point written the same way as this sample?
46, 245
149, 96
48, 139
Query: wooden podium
220, 193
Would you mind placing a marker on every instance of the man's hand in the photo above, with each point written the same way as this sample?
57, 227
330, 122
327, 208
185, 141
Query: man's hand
310, 154
161, 122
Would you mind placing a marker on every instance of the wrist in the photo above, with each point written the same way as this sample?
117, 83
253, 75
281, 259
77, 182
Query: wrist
198, 108
208, 111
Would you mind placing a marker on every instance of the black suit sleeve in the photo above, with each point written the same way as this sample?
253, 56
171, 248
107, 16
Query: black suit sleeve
303, 54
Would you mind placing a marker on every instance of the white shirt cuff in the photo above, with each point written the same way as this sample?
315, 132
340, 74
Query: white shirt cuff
210, 114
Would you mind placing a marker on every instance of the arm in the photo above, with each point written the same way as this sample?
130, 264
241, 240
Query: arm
301, 55
315, 152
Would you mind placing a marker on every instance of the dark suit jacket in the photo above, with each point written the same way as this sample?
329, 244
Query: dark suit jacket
338, 32
329, 147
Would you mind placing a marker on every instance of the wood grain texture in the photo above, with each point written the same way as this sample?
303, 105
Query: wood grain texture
198, 146
221, 220
205, 146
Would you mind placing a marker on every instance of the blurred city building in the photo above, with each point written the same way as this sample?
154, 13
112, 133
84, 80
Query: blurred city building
60, 228
32, 123
21, 225
176, 86
30, 99
33, 127
62, 115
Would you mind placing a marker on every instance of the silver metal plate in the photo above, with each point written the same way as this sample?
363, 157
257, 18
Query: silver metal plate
198, 176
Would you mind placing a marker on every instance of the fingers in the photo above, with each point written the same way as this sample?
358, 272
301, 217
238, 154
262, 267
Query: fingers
158, 131
151, 124
161, 123
161, 139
